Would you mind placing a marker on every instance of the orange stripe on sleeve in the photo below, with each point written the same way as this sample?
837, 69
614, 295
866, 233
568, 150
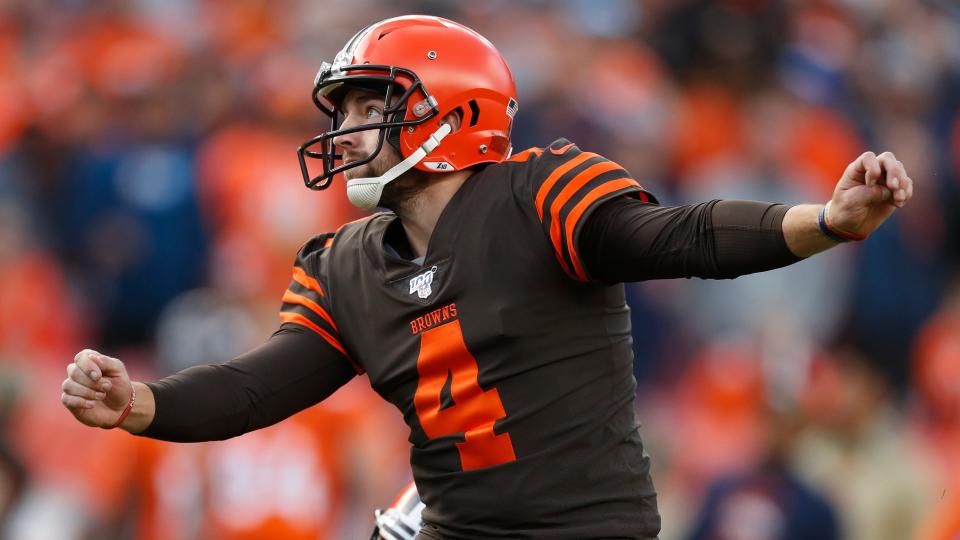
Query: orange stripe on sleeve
297, 318
554, 176
291, 297
301, 277
568, 192
581, 207
289, 316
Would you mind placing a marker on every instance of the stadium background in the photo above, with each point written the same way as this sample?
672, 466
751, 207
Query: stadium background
151, 205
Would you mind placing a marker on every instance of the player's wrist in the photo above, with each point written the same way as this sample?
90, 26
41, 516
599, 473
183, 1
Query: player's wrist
142, 412
828, 229
127, 409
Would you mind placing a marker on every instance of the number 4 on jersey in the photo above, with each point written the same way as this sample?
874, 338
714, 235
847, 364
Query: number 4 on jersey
444, 354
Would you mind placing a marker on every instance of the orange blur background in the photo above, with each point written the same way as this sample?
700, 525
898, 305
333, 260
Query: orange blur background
151, 205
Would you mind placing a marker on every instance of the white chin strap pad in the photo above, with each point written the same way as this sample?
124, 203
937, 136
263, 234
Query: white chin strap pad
365, 193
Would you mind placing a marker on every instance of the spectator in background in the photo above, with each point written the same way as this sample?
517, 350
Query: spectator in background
131, 220
768, 502
935, 419
33, 293
14, 478
854, 451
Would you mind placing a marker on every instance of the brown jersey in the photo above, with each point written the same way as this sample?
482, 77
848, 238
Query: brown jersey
511, 367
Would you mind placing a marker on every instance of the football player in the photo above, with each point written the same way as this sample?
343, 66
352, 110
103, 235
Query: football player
487, 302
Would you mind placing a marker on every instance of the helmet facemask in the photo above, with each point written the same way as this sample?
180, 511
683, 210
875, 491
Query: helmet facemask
332, 83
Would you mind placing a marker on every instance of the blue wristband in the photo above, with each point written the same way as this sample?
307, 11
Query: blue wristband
825, 230
836, 234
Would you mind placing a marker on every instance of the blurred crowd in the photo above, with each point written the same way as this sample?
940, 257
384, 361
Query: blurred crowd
151, 205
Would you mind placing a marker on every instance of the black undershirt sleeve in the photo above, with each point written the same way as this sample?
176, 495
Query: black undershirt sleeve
293, 370
629, 240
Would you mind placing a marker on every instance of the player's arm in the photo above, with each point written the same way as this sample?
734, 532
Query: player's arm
300, 365
626, 240
293, 370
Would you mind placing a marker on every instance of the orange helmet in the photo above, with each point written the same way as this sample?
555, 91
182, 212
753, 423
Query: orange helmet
436, 67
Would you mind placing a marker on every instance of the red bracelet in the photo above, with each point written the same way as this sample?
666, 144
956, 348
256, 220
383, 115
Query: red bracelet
832, 232
128, 408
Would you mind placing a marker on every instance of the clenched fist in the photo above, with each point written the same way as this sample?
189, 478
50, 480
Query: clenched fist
870, 190
97, 389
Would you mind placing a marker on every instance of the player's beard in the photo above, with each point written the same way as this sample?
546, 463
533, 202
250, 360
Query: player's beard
400, 194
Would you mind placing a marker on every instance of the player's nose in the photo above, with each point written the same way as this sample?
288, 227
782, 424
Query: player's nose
348, 140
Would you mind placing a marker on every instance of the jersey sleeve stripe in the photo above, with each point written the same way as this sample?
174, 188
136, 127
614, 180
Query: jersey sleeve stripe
301, 277
296, 318
569, 191
291, 297
581, 207
555, 176
291, 317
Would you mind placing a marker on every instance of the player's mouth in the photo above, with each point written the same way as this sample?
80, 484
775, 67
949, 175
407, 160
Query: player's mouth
349, 159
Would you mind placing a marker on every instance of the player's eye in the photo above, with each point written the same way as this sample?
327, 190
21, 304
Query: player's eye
373, 112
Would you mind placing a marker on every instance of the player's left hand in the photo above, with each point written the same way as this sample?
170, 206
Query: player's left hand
870, 190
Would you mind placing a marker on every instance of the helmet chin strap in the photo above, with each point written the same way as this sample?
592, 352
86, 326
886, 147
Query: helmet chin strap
365, 193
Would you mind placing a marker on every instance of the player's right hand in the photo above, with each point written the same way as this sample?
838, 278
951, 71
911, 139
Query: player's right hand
97, 389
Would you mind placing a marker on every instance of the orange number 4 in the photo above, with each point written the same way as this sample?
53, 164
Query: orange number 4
443, 354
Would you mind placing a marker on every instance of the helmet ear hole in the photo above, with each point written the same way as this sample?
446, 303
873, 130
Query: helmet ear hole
454, 118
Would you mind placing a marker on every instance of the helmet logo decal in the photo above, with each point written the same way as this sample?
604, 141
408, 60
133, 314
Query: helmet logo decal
512, 108
420, 284
438, 165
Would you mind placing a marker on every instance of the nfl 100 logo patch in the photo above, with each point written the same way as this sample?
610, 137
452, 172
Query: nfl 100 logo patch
424, 285
421, 284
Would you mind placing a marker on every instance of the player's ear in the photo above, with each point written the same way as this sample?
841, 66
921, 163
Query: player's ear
453, 118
